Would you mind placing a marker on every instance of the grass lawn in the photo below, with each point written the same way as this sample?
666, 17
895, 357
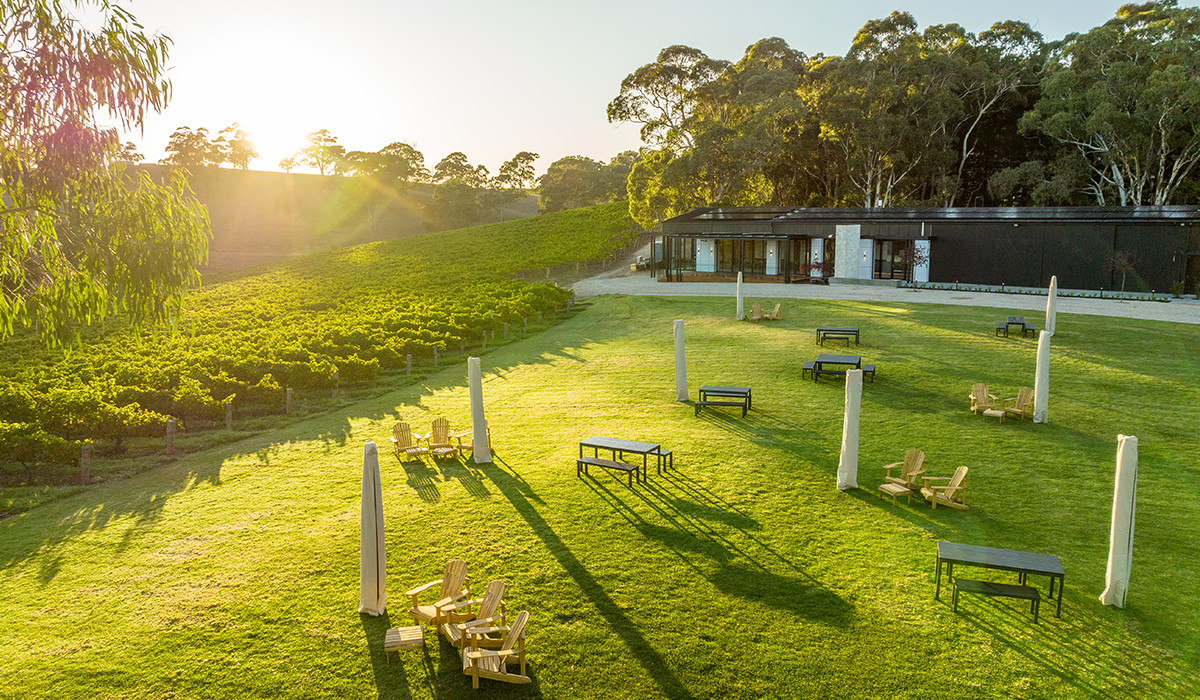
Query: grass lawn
233, 572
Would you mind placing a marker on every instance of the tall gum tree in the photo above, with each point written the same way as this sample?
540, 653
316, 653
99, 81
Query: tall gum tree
1124, 101
80, 237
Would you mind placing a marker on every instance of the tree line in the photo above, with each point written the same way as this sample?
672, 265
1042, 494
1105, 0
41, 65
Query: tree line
933, 117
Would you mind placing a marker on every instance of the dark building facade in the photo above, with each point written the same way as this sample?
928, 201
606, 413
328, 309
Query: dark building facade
1014, 246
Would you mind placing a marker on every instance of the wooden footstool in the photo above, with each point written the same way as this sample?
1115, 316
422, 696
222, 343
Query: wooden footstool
398, 638
994, 414
894, 490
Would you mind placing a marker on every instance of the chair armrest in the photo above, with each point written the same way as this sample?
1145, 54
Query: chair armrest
480, 621
450, 600
892, 466
462, 604
489, 653
424, 587
490, 630
928, 479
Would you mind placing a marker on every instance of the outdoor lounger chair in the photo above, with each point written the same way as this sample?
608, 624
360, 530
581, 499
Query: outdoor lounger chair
486, 663
1021, 405
951, 495
981, 399
453, 586
460, 617
438, 439
404, 442
910, 470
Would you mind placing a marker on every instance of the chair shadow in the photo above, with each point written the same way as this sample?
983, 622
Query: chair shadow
469, 478
421, 479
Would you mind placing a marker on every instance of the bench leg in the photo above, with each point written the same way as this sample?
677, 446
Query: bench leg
955, 598
743, 410
1035, 605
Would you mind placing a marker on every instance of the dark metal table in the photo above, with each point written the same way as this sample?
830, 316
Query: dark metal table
740, 392
1015, 321
598, 442
827, 330
822, 360
1024, 563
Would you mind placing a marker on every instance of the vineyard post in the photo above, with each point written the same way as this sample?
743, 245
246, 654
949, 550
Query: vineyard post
85, 465
408, 365
525, 323
492, 315
539, 317
485, 340
229, 415
553, 314
287, 402
170, 437
577, 267
462, 346
547, 272
506, 330
335, 384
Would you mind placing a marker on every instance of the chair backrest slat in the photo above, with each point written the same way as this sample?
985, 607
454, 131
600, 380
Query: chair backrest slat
516, 630
491, 599
1024, 398
455, 576
956, 481
913, 459
441, 431
403, 434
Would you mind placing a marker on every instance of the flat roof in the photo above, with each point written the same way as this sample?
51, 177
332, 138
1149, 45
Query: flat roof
1174, 214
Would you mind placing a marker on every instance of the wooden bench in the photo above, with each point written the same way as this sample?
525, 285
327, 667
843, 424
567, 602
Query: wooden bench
1003, 590
807, 369
869, 369
742, 403
582, 463
1002, 330
1028, 330
398, 638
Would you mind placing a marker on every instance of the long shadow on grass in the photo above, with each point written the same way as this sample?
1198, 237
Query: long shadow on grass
519, 493
689, 537
391, 680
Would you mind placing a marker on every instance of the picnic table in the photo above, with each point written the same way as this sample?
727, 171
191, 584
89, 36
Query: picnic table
737, 395
836, 333
1024, 563
835, 360
1019, 322
619, 446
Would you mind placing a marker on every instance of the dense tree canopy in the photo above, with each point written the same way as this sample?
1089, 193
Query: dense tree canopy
924, 117
79, 237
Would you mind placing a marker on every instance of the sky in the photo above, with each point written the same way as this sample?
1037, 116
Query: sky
489, 79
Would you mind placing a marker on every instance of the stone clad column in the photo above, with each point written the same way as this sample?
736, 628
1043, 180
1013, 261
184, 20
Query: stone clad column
847, 251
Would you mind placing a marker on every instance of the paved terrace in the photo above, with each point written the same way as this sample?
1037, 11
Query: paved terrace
641, 284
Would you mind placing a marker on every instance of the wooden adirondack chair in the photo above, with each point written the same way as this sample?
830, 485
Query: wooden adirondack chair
1022, 404
454, 585
756, 312
773, 315
485, 663
953, 494
981, 399
460, 617
404, 441
910, 469
466, 440
438, 439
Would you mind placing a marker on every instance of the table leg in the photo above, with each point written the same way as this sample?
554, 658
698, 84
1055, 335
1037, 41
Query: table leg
937, 589
645, 474
581, 450
1058, 611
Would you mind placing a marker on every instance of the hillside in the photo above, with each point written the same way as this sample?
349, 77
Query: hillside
260, 216
346, 317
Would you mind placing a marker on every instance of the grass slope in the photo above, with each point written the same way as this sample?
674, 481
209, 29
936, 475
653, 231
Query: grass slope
303, 319
744, 573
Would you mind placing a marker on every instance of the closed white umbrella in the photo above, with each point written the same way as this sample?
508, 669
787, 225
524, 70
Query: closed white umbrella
848, 464
1052, 305
681, 390
482, 451
741, 312
372, 562
1120, 539
1041, 381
